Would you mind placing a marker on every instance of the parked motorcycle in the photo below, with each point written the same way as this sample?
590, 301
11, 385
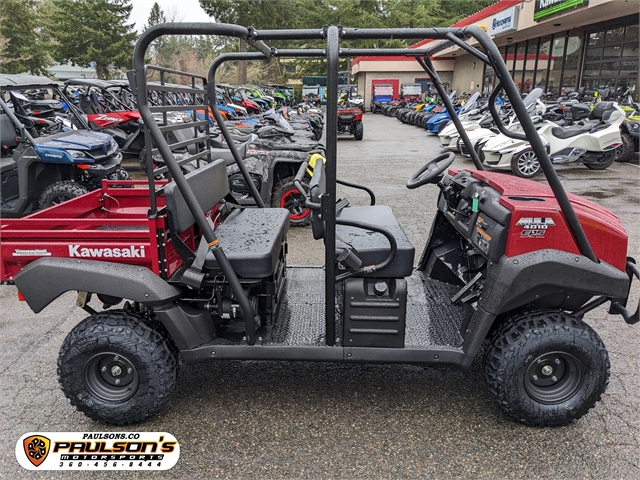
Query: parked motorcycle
593, 142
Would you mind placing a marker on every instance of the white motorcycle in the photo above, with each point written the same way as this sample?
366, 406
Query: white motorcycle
470, 115
592, 142
486, 129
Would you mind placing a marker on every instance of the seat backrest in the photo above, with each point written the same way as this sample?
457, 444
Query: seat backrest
7, 132
317, 186
209, 184
96, 106
85, 105
602, 111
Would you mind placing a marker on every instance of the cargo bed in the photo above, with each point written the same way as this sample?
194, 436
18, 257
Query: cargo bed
111, 224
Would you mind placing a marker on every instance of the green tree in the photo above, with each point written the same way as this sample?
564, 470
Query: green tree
156, 16
265, 14
93, 31
21, 36
273, 14
456, 10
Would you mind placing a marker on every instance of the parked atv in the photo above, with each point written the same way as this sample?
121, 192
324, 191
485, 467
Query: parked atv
40, 170
350, 122
272, 157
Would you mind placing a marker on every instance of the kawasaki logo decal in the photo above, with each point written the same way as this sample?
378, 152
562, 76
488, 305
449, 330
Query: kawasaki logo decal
545, 8
126, 252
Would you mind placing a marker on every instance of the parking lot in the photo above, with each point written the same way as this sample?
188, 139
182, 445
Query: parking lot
315, 420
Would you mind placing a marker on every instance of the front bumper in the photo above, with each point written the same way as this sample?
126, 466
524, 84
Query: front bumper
619, 306
102, 170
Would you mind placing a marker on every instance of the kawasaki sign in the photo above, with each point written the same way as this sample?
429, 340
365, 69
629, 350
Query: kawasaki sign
546, 8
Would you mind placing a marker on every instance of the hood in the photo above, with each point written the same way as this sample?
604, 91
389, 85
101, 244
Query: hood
78, 140
76, 146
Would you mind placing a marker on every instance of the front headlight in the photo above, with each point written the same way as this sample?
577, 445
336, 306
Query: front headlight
76, 153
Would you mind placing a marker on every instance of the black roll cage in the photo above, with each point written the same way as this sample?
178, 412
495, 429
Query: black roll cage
333, 35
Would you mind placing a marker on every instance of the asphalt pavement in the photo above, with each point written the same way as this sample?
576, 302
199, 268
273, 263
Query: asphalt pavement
248, 420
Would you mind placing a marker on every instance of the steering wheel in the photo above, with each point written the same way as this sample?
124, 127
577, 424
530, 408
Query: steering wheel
431, 171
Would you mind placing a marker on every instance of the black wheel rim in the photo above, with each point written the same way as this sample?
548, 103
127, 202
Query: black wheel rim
606, 157
111, 377
60, 199
553, 378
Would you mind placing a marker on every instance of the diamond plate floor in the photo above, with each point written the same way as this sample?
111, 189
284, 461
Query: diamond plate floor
432, 320
301, 319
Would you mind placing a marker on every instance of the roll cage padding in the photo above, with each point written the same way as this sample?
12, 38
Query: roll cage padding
45, 279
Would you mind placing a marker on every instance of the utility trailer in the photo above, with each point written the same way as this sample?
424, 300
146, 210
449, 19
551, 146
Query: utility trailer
509, 262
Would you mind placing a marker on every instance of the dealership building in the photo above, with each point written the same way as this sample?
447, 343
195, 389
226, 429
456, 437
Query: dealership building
557, 45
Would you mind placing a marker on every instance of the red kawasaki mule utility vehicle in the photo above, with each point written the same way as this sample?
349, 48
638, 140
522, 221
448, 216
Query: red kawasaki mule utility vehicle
509, 262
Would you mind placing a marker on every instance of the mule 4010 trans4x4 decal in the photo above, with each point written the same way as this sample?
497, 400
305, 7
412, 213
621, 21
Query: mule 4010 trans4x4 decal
534, 226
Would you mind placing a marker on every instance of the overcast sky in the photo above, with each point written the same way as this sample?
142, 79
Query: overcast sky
184, 10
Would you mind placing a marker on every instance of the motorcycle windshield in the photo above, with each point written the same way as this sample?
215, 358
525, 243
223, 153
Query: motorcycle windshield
531, 99
471, 103
280, 121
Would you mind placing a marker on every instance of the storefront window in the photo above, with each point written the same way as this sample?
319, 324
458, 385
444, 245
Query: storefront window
596, 38
629, 66
611, 52
529, 65
615, 35
592, 70
572, 58
593, 54
542, 63
518, 64
555, 71
610, 69
630, 50
560, 63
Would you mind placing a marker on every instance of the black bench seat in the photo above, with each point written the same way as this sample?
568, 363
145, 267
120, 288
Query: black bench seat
252, 240
373, 247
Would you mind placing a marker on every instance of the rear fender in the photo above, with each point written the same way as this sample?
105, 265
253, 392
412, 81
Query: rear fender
281, 163
45, 279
